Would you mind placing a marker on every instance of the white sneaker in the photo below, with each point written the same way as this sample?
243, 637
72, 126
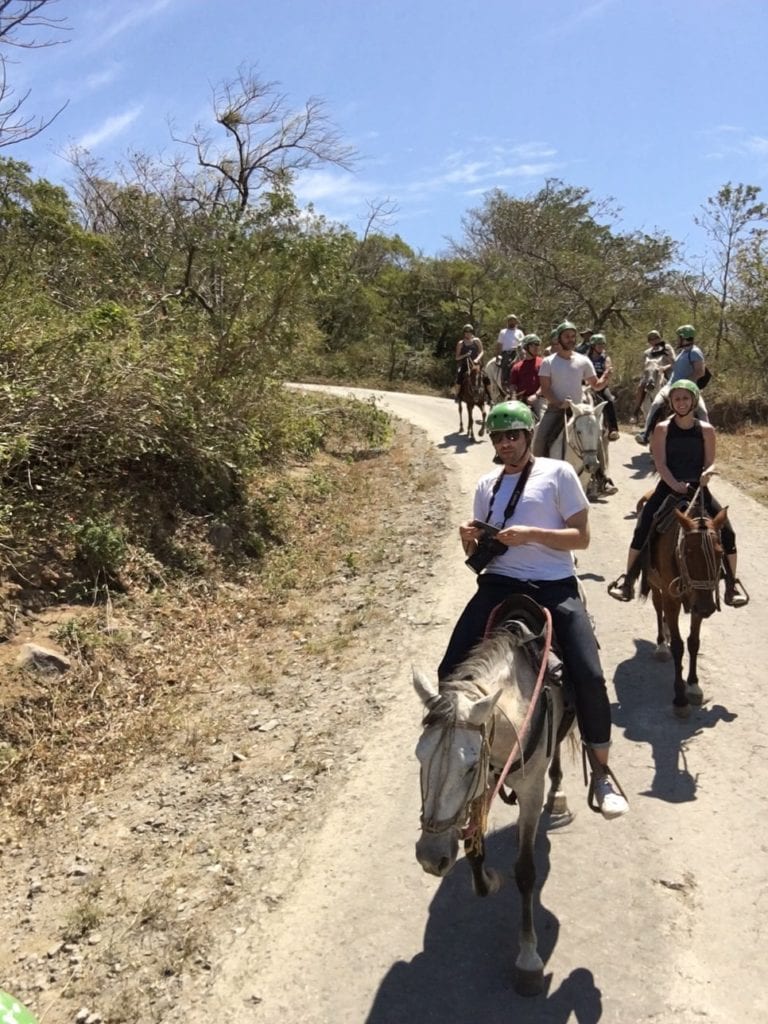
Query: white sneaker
610, 801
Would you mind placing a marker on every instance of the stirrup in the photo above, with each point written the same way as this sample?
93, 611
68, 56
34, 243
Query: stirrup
735, 595
621, 589
590, 778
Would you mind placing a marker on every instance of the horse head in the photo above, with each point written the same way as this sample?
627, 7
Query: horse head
653, 375
583, 432
699, 557
454, 753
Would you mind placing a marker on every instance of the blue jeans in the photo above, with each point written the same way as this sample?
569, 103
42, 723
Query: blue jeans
576, 641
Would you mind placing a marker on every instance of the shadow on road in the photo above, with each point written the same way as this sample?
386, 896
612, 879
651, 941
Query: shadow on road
459, 443
644, 690
640, 466
465, 971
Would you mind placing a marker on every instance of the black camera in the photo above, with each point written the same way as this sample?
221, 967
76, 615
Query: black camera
488, 548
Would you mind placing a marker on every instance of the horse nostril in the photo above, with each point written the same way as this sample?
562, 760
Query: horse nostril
443, 865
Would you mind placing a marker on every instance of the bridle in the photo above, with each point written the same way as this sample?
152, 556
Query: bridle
574, 440
707, 539
477, 782
478, 791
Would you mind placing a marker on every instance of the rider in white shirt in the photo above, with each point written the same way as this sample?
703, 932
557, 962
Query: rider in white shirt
562, 376
508, 347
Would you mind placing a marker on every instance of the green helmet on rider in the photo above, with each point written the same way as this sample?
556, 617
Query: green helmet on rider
529, 340
686, 333
686, 385
597, 339
509, 416
560, 330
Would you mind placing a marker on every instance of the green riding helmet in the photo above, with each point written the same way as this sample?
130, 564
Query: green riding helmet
530, 339
686, 385
687, 331
509, 416
597, 339
467, 327
566, 325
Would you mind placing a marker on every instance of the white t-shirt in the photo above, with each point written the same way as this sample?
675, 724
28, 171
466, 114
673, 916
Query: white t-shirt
567, 375
509, 338
552, 494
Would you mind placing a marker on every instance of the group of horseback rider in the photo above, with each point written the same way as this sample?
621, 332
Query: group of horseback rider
528, 520
519, 359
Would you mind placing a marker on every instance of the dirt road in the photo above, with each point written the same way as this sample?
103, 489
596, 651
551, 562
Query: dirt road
656, 917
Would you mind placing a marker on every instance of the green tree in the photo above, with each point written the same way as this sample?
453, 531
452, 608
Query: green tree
729, 218
560, 248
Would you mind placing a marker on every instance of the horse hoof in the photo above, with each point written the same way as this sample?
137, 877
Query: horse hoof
662, 653
695, 695
529, 983
681, 710
557, 805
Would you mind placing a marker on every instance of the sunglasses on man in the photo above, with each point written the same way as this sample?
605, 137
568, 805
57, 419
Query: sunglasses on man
498, 436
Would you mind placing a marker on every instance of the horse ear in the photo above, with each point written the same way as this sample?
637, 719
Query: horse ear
599, 407
482, 710
425, 689
685, 520
720, 518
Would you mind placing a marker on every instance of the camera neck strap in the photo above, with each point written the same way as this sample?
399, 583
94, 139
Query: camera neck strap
509, 511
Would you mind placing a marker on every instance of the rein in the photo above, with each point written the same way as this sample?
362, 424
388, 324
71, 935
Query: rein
473, 832
522, 734
685, 581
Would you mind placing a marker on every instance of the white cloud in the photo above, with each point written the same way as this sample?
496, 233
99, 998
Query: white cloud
98, 79
108, 129
313, 186
729, 141
136, 15
342, 195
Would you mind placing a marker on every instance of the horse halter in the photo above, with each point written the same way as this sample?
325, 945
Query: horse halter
708, 544
573, 438
476, 785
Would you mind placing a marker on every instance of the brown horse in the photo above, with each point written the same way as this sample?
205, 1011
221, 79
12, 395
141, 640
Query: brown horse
472, 394
683, 570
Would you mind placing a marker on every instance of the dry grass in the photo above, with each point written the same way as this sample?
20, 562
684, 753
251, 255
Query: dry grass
147, 668
743, 458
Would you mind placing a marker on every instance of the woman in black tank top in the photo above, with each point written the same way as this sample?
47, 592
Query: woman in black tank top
684, 452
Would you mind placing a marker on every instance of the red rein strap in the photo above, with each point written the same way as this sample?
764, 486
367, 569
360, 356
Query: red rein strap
519, 742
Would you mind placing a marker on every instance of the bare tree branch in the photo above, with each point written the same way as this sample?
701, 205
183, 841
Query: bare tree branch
265, 139
16, 17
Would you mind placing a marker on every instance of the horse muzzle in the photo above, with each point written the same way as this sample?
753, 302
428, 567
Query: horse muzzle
437, 851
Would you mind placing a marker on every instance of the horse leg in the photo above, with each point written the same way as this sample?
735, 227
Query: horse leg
693, 690
461, 415
482, 420
470, 420
485, 881
529, 967
557, 802
662, 639
682, 708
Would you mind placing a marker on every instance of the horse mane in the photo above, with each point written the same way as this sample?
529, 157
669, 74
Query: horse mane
490, 666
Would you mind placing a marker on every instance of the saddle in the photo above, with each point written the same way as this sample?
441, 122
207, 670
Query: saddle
525, 619
664, 517
521, 616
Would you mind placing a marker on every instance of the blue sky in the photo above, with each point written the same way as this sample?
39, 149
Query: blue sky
655, 103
